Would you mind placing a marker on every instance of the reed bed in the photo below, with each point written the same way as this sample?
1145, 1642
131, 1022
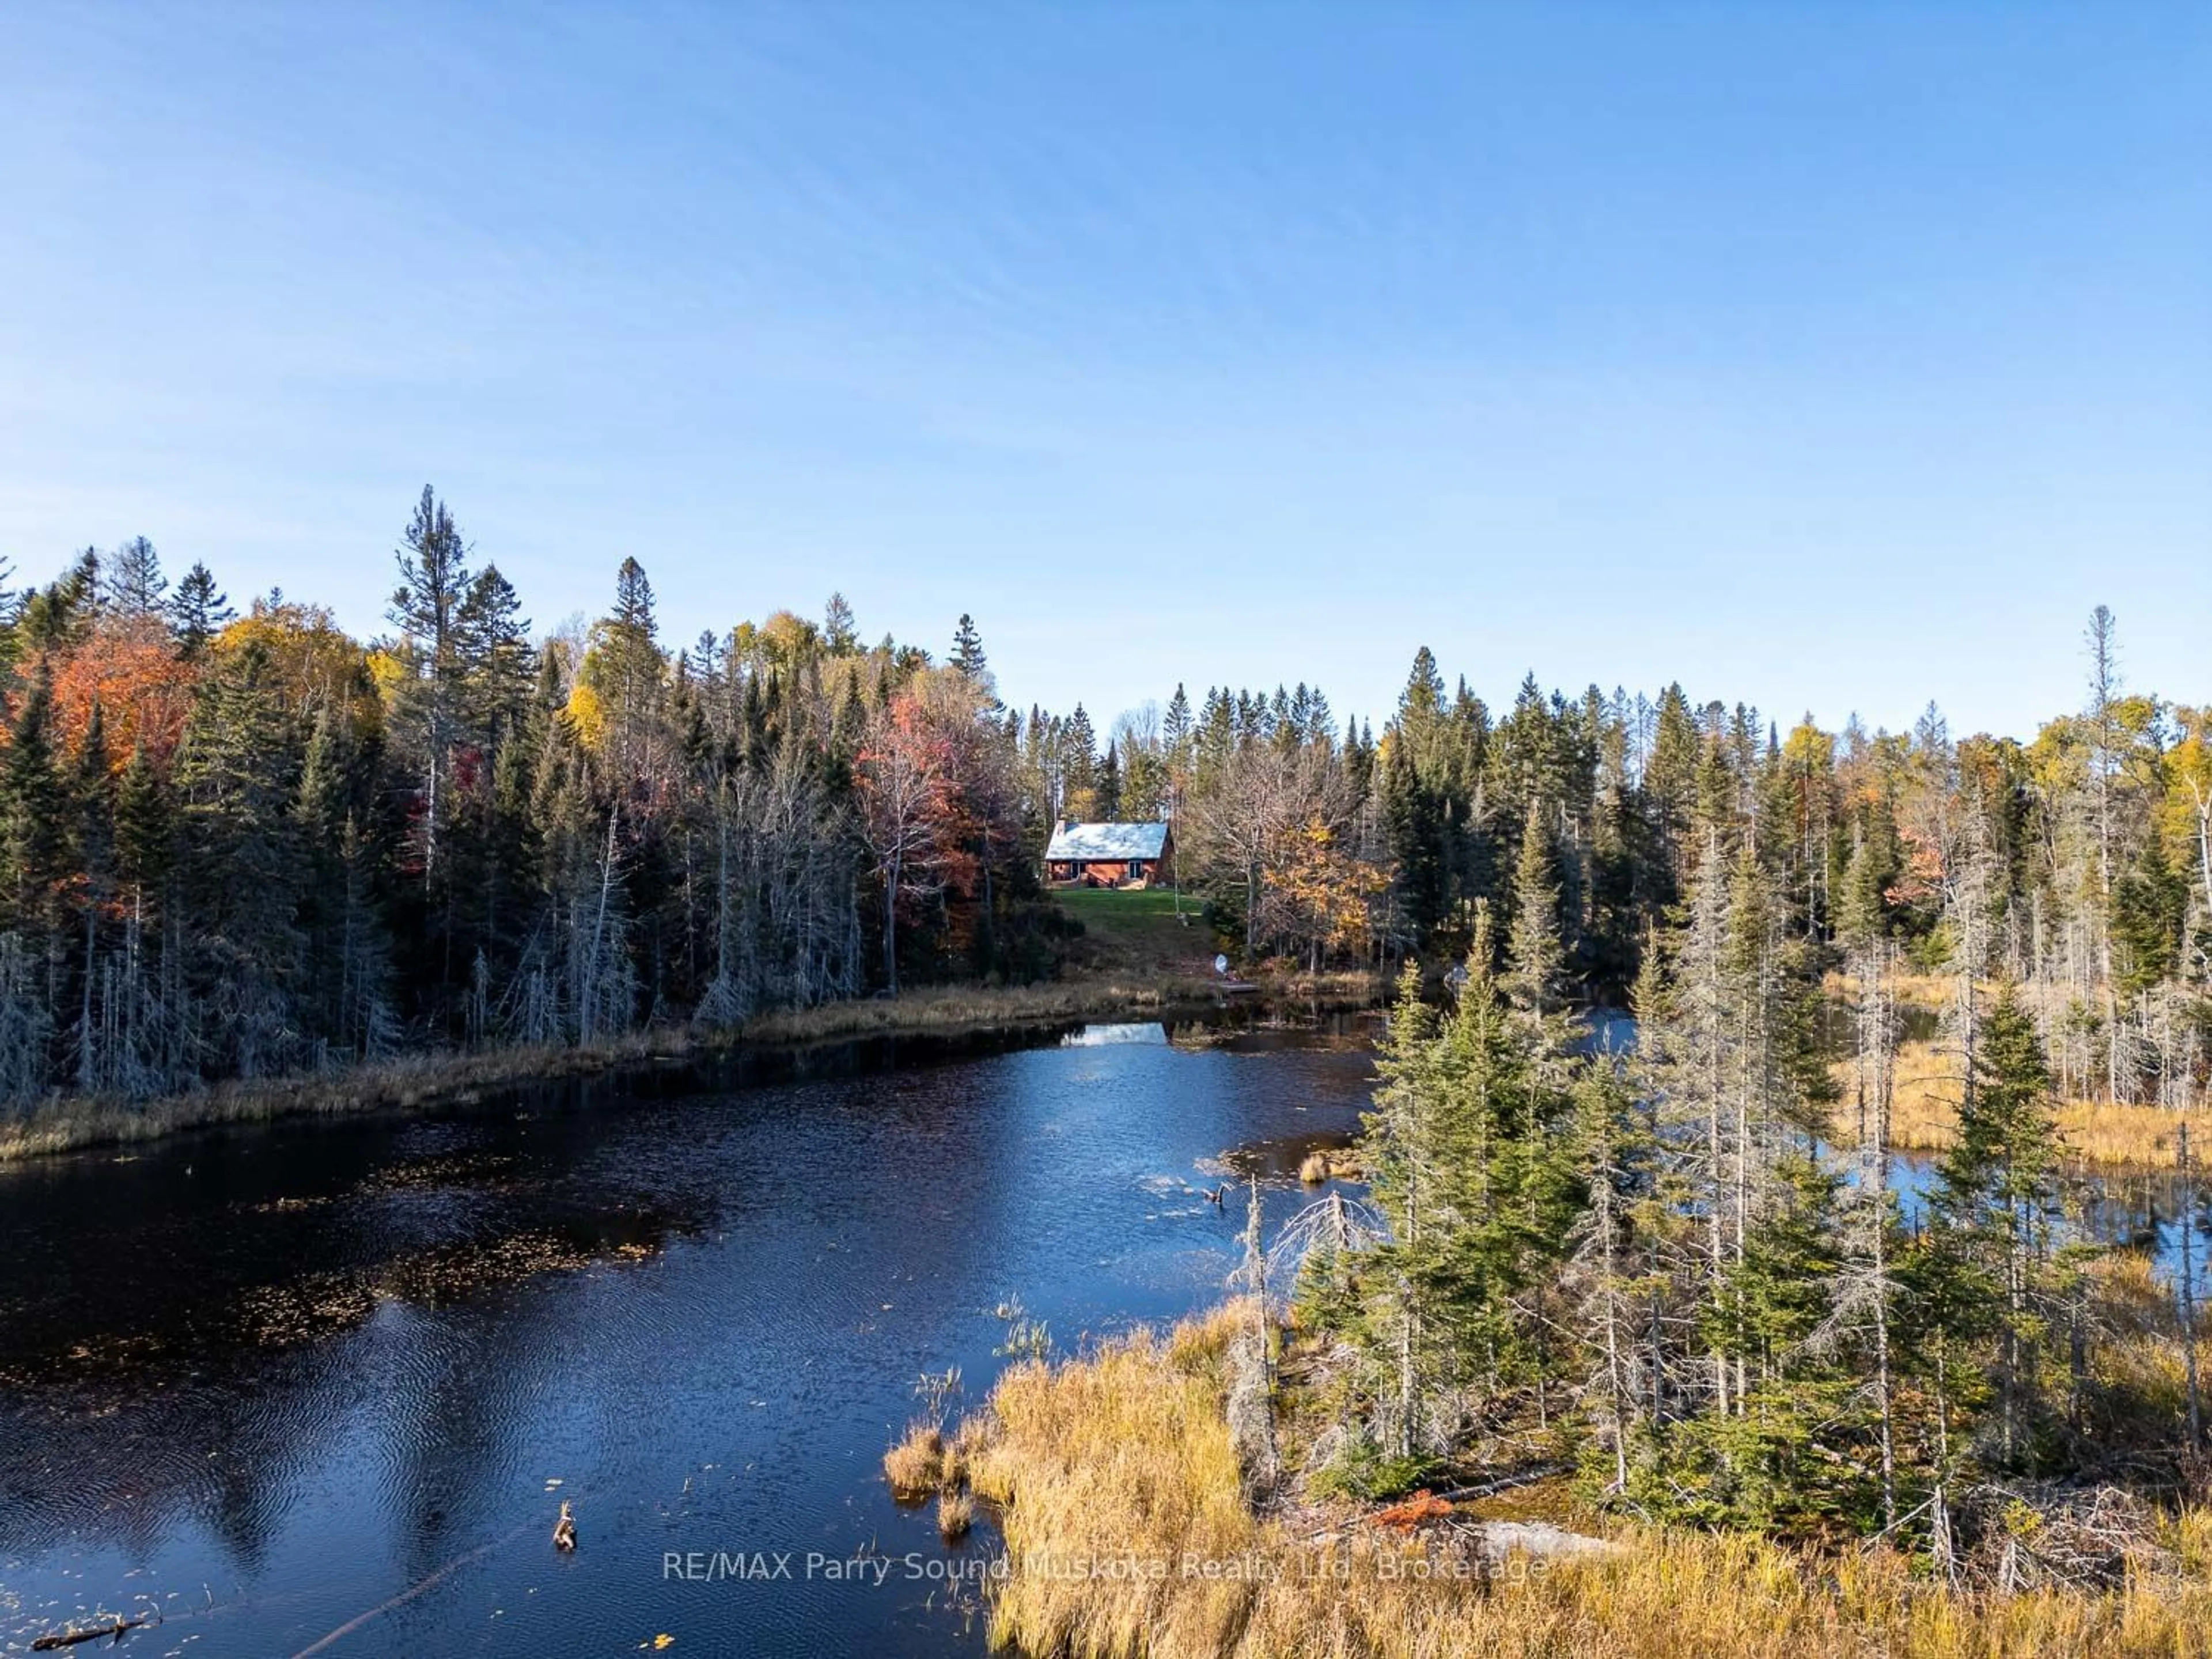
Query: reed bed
953, 1008
915, 1467
404, 1083
955, 1514
421, 1081
1924, 1116
1127, 1532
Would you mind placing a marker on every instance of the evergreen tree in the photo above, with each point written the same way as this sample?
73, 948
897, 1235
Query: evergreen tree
132, 581
840, 635
1993, 1199
968, 649
1537, 979
34, 817
2150, 903
238, 780
498, 665
428, 707
93, 795
198, 610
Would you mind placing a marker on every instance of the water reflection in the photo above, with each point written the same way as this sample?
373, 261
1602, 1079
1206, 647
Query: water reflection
1097, 1037
2141, 1210
273, 1379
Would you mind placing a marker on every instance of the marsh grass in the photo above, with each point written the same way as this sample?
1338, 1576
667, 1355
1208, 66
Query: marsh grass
915, 1467
955, 1514
423, 1081
405, 1083
1924, 1116
952, 1008
1119, 1494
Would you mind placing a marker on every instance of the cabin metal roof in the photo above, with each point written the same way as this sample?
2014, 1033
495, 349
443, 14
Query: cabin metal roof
1107, 842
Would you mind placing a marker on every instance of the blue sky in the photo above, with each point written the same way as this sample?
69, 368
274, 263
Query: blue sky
1830, 357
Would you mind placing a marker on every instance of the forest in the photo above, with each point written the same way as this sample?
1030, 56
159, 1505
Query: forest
246, 845
1669, 1284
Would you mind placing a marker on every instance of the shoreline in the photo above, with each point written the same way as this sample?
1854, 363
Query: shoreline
2123, 1138
1117, 1489
436, 1079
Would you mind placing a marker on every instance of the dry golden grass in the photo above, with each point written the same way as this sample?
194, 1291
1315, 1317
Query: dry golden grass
1924, 1116
1924, 1112
1929, 990
1106, 1465
955, 1513
952, 1462
951, 1008
1127, 1536
418, 1081
410, 1082
915, 1467
1324, 1163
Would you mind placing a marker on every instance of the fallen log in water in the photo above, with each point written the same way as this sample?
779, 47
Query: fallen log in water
69, 1639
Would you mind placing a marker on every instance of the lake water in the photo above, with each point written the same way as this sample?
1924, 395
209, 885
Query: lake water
310, 1388
320, 1388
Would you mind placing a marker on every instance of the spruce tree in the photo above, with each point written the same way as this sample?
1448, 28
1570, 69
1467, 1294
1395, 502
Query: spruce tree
34, 817
840, 636
428, 705
968, 649
1536, 980
198, 610
1993, 1199
238, 780
132, 581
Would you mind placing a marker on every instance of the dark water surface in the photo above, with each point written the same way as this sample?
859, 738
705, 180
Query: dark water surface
314, 1384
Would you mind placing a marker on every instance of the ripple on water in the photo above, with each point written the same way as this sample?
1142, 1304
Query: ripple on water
334, 1360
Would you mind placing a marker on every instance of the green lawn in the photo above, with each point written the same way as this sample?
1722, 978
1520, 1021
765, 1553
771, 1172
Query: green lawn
1107, 908
1138, 929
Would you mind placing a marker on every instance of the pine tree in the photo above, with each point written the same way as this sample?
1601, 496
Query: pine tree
627, 673
1403, 1148
1177, 727
133, 582
93, 795
2150, 903
34, 817
840, 636
968, 649
1993, 1198
498, 665
1536, 980
145, 826
238, 780
198, 610
426, 711
1078, 767
1616, 1152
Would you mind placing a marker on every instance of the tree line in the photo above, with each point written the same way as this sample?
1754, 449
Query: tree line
2077, 865
1684, 1266
239, 844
